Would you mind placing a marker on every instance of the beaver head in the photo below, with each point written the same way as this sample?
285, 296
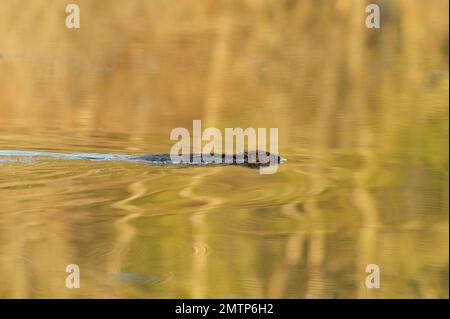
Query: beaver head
260, 158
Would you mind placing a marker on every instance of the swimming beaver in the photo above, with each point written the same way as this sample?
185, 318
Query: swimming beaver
249, 159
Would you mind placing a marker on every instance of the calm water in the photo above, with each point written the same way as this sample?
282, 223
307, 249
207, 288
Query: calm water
362, 117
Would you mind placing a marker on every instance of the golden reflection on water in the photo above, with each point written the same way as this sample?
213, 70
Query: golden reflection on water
362, 117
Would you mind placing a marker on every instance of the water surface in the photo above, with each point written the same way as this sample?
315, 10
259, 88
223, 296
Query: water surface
362, 117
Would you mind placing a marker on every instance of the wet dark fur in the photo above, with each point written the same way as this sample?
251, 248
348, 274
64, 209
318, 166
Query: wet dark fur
250, 159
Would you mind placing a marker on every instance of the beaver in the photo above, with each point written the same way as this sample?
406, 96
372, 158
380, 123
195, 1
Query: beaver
250, 159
